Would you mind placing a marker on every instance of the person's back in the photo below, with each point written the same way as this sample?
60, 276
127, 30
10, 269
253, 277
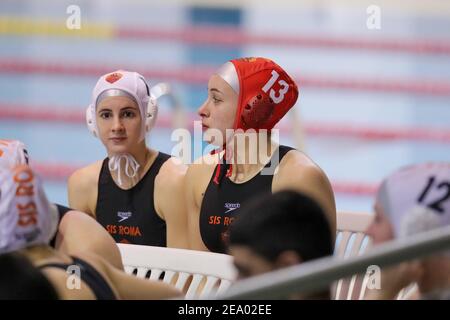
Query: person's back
28, 223
281, 230
73, 280
78, 232
86, 276
20, 280
75, 229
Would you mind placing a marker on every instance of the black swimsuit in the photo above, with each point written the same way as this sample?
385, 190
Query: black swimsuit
129, 215
90, 276
221, 205
61, 211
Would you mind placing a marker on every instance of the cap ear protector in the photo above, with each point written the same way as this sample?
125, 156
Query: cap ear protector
257, 111
152, 109
150, 113
90, 119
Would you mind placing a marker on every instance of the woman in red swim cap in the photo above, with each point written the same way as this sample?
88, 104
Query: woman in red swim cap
249, 96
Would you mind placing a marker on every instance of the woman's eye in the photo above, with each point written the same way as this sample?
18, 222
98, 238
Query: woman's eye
105, 115
128, 114
215, 100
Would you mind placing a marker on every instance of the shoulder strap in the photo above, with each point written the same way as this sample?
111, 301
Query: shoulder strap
54, 265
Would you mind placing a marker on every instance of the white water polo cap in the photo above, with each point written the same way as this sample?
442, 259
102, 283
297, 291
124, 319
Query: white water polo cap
27, 218
128, 84
12, 153
417, 198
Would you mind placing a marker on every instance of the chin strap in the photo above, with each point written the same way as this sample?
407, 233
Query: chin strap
227, 168
131, 166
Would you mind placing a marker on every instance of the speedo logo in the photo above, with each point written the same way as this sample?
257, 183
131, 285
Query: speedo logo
124, 215
232, 206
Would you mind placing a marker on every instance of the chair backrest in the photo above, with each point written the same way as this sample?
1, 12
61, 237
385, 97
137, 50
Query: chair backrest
203, 274
351, 240
199, 273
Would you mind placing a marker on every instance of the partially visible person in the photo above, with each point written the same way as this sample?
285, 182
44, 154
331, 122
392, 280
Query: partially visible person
20, 280
279, 231
28, 223
135, 193
14, 153
410, 201
79, 232
74, 227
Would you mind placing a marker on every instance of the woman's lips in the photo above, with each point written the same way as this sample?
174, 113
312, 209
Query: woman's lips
118, 139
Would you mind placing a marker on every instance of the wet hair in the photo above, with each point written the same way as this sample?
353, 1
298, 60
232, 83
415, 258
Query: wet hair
283, 221
21, 280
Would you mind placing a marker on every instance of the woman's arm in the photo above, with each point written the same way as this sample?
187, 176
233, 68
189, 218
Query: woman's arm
79, 232
170, 202
133, 288
297, 172
82, 188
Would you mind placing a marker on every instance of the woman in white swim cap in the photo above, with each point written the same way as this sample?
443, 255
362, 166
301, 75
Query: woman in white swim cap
135, 193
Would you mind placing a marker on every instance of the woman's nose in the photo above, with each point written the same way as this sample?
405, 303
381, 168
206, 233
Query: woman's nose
203, 110
117, 125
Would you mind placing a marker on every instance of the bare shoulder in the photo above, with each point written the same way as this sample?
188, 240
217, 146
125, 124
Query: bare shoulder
73, 217
169, 184
198, 176
297, 167
204, 165
82, 188
199, 173
86, 176
295, 157
299, 173
172, 170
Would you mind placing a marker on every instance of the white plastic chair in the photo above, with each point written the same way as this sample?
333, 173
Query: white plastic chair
351, 240
212, 273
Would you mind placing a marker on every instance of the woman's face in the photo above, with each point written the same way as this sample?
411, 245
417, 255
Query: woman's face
119, 124
380, 230
218, 111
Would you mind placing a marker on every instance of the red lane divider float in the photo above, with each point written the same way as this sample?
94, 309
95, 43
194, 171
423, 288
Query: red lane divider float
378, 133
200, 75
22, 113
58, 172
227, 36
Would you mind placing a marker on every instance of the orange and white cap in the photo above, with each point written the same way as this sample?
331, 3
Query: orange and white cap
26, 216
12, 153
